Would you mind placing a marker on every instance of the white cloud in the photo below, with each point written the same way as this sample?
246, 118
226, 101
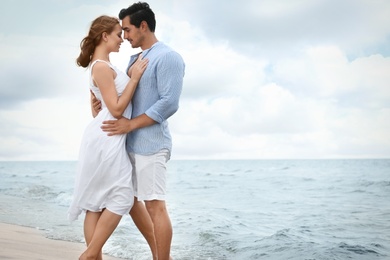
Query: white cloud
326, 72
44, 129
280, 28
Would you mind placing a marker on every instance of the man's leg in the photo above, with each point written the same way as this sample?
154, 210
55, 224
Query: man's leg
144, 223
162, 227
140, 215
150, 178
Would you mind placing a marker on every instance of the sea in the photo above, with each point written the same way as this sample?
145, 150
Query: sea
229, 209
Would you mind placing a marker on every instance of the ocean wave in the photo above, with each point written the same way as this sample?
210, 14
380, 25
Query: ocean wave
323, 210
362, 250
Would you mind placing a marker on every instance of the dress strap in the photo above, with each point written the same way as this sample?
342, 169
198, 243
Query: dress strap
95, 61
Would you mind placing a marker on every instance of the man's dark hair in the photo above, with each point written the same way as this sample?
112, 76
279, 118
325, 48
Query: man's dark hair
139, 12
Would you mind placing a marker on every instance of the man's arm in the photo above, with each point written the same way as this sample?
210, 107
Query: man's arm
124, 125
96, 105
170, 73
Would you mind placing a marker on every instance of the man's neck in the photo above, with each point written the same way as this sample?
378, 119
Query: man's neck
149, 41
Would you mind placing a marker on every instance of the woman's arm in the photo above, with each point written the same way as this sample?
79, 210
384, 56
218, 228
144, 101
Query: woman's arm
104, 77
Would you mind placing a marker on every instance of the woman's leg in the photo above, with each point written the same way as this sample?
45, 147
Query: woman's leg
105, 225
144, 223
90, 222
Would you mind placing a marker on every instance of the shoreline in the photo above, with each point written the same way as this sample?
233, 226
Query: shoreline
20, 242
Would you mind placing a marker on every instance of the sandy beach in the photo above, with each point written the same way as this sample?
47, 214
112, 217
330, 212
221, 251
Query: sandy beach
19, 243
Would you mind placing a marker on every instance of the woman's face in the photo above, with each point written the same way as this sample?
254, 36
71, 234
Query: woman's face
115, 39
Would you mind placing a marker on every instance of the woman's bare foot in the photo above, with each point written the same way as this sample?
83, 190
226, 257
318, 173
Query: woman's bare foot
85, 257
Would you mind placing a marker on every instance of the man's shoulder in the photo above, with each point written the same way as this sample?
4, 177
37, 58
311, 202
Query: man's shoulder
163, 48
168, 54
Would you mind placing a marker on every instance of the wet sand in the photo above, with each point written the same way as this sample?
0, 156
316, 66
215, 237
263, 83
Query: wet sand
18, 243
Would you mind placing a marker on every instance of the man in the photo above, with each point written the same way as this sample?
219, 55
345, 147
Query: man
156, 98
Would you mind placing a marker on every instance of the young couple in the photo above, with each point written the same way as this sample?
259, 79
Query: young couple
125, 149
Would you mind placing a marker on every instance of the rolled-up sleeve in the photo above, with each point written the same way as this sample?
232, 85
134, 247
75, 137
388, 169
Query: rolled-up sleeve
169, 73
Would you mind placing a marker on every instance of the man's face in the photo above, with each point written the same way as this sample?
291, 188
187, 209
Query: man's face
132, 33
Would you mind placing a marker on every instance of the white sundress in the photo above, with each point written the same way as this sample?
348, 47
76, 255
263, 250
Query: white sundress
104, 171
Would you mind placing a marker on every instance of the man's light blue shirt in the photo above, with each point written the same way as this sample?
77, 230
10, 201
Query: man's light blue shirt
157, 95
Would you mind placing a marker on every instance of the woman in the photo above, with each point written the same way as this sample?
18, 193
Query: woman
103, 188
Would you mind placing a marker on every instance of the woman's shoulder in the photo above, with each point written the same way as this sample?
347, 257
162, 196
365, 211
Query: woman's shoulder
101, 65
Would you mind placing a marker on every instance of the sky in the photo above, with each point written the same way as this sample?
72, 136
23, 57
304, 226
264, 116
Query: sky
265, 79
